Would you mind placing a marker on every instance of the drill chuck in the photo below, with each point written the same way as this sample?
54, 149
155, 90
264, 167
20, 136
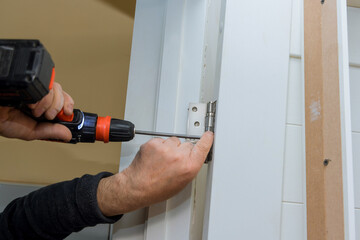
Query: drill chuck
121, 130
114, 130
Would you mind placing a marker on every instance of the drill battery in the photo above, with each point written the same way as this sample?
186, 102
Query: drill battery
26, 72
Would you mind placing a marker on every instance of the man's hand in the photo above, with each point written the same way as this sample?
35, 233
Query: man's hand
160, 170
15, 124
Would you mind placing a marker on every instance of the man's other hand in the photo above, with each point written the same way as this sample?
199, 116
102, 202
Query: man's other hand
15, 124
160, 170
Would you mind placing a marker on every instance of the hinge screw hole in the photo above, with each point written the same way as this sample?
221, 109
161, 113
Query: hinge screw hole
194, 109
196, 124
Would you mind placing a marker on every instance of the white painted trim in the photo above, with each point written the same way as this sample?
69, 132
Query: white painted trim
346, 135
169, 37
303, 107
143, 84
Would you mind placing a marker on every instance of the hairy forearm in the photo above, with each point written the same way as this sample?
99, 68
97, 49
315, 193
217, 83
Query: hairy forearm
113, 196
107, 196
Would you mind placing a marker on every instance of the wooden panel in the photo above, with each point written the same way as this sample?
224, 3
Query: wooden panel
325, 209
293, 224
247, 170
354, 35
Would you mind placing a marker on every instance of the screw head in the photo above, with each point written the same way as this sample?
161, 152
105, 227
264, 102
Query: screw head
326, 162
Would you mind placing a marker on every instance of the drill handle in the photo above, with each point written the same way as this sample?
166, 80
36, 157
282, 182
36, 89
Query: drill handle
82, 126
88, 127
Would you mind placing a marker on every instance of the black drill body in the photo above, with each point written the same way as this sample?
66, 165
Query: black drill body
26, 75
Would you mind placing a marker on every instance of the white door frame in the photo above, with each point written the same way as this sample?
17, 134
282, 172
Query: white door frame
166, 74
237, 52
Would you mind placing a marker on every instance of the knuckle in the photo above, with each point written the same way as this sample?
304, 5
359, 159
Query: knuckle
177, 156
58, 107
48, 115
188, 171
202, 148
71, 102
50, 94
32, 106
47, 100
57, 86
143, 147
163, 151
152, 144
174, 156
174, 139
188, 145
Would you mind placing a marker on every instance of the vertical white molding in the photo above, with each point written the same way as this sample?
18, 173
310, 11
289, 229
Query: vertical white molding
181, 207
346, 135
165, 76
302, 16
179, 85
247, 171
142, 94
167, 98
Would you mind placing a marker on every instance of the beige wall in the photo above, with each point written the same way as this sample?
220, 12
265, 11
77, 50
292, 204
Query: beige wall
90, 42
353, 3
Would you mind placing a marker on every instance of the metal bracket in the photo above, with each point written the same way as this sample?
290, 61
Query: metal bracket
201, 118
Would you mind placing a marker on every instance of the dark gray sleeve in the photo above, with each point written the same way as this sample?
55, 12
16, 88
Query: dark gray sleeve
55, 211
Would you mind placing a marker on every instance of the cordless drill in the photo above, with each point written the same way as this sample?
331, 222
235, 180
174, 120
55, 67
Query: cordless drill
27, 74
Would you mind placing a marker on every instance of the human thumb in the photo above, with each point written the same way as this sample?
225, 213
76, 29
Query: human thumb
202, 148
51, 131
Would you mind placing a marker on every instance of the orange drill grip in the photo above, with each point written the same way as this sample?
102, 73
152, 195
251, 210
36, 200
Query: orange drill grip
103, 129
